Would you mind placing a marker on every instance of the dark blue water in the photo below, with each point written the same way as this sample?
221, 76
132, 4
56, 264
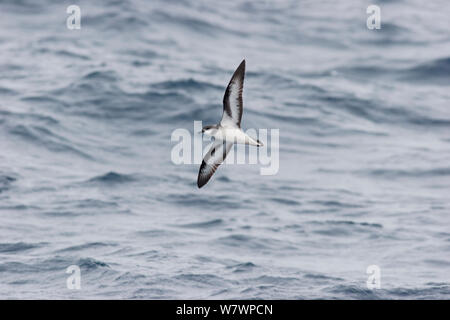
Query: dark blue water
86, 176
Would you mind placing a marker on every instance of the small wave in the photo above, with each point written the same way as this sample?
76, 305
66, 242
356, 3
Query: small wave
90, 245
201, 280
376, 112
5, 182
186, 85
223, 179
24, 7
102, 98
392, 35
7, 67
71, 54
353, 291
246, 242
113, 178
435, 71
18, 247
336, 204
153, 293
128, 277
16, 267
321, 277
144, 132
140, 53
413, 173
108, 76
288, 202
5, 91
57, 263
195, 200
438, 263
45, 119
98, 83
120, 21
61, 213
194, 24
242, 267
90, 264
19, 207
361, 108
277, 280
93, 203
349, 223
155, 233
61, 53
361, 71
431, 291
337, 228
42, 136
206, 224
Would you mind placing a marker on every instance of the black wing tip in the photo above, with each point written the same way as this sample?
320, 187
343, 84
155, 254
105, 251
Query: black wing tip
240, 70
241, 65
201, 181
200, 184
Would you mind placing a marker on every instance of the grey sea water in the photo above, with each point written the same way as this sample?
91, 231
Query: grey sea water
86, 177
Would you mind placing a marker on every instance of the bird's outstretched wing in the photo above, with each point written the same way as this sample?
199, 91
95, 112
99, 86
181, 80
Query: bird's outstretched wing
212, 160
232, 100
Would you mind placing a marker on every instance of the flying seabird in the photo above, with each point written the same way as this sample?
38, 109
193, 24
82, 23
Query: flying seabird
228, 131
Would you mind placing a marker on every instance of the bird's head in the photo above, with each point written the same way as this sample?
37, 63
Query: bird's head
209, 130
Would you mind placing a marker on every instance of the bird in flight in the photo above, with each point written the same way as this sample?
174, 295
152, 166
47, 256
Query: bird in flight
228, 131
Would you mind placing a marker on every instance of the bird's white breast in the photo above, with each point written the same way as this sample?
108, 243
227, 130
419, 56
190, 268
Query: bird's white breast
234, 135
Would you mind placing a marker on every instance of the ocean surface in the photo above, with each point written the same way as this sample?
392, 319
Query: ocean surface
86, 176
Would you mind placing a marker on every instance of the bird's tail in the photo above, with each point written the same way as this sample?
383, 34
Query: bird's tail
259, 143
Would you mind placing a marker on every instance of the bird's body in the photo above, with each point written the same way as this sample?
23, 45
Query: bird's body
228, 131
232, 134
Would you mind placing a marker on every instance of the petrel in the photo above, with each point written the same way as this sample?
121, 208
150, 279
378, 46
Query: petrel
228, 131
